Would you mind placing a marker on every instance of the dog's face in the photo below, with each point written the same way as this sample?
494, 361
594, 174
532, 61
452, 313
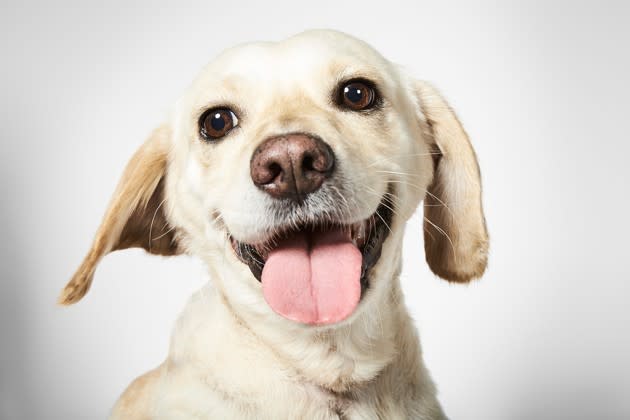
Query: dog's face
298, 152
291, 168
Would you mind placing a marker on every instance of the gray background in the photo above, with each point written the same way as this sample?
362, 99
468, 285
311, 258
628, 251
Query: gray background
542, 88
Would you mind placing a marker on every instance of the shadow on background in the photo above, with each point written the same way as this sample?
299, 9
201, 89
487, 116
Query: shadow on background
571, 402
13, 315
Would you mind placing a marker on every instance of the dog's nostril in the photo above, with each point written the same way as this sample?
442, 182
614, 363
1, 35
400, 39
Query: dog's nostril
274, 171
307, 163
321, 161
291, 166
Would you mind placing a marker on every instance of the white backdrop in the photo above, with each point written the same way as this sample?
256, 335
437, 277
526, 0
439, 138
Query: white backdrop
541, 87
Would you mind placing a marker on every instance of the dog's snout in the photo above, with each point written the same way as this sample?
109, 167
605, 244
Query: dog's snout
291, 166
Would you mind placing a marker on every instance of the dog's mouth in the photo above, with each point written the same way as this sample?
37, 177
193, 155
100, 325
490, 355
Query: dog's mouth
316, 273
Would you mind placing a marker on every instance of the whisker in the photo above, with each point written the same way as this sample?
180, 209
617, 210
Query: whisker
153, 221
336, 190
399, 173
164, 234
369, 231
429, 232
397, 181
390, 208
385, 199
385, 223
411, 184
441, 202
390, 157
443, 232
249, 252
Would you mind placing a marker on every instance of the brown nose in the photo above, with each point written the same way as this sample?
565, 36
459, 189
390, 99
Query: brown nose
291, 166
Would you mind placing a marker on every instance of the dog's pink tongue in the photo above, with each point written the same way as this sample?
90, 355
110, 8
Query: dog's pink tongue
319, 284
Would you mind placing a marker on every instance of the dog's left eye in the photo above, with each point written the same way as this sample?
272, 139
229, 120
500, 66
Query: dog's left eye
216, 123
357, 95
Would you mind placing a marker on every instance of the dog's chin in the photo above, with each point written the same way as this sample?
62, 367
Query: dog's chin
324, 263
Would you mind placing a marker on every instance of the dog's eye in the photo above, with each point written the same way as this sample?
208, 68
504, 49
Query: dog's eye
357, 95
216, 123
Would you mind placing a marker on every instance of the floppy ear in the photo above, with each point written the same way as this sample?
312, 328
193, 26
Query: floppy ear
135, 216
455, 236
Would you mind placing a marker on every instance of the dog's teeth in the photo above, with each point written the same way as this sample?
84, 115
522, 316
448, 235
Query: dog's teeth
362, 230
359, 234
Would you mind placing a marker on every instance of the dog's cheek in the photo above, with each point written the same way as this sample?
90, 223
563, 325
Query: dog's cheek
414, 164
360, 159
187, 202
361, 185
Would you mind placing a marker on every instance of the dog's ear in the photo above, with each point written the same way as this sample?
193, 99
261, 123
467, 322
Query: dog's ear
455, 235
135, 217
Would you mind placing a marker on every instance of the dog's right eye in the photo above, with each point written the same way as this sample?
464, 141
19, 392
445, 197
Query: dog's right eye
216, 123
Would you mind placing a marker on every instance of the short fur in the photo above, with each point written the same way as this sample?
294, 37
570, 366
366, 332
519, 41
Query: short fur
231, 356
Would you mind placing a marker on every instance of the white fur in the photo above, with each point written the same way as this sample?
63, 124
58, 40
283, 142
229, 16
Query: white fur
231, 356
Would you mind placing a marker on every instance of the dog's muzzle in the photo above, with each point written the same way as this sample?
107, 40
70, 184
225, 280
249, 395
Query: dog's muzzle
317, 270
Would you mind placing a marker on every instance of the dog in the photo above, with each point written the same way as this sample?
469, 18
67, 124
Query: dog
290, 168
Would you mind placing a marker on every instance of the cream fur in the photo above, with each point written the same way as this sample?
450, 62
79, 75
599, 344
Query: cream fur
231, 356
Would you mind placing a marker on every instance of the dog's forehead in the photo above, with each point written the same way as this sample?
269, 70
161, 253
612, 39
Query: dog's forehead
303, 56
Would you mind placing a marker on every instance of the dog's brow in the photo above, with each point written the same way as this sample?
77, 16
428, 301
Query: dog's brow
218, 103
368, 74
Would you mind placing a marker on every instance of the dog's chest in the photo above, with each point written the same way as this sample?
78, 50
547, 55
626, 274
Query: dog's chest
186, 394
306, 404
277, 402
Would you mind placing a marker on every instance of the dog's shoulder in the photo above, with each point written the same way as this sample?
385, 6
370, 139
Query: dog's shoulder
135, 402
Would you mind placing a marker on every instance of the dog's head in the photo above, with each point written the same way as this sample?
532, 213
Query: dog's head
291, 168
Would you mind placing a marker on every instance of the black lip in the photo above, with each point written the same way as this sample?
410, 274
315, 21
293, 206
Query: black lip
380, 224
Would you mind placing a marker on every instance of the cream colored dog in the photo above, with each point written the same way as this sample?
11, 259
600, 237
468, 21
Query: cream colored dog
291, 169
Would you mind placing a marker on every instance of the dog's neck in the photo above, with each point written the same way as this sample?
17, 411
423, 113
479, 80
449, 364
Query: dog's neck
338, 359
